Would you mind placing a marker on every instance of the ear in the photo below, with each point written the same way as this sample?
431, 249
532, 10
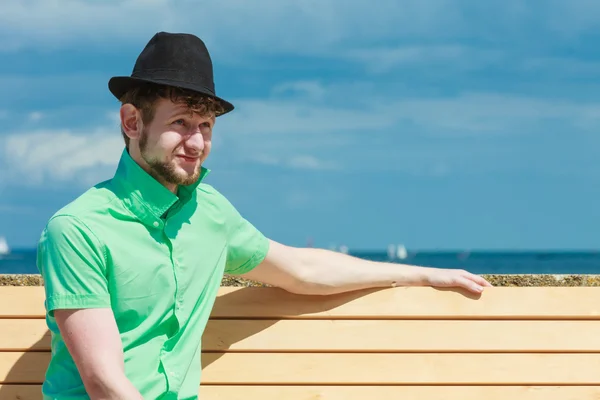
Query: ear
131, 121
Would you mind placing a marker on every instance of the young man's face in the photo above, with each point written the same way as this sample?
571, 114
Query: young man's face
174, 145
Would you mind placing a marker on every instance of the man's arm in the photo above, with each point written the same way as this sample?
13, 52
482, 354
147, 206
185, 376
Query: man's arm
71, 260
92, 338
323, 272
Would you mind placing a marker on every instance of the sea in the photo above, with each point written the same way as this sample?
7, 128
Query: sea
23, 261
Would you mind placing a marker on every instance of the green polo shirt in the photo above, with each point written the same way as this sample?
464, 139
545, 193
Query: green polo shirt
157, 260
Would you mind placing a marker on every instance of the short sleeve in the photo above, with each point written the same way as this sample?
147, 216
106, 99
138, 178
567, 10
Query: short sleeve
72, 264
247, 246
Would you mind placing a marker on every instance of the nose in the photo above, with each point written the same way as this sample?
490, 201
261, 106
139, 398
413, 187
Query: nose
194, 143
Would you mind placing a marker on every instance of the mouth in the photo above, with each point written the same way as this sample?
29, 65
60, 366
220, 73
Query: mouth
187, 158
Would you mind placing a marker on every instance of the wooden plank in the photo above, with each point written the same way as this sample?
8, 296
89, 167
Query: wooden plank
412, 302
21, 392
399, 392
401, 335
22, 301
18, 367
24, 335
423, 368
33, 392
360, 335
365, 369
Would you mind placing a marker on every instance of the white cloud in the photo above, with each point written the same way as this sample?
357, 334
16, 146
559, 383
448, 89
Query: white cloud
274, 26
568, 66
305, 162
235, 28
383, 59
297, 198
35, 116
310, 162
60, 155
484, 113
396, 135
266, 159
114, 117
300, 133
255, 116
58, 23
465, 113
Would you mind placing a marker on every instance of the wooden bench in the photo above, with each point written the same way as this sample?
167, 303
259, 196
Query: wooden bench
515, 343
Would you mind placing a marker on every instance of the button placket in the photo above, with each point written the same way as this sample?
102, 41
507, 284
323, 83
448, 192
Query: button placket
176, 274
173, 379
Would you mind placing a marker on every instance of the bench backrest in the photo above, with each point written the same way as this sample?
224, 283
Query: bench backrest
526, 343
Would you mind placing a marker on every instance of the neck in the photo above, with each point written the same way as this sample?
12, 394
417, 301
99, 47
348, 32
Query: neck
136, 156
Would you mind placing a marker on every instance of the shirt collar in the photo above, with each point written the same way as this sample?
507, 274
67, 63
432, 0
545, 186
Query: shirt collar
145, 196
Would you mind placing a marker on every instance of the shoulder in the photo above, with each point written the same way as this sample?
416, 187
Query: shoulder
77, 216
219, 206
209, 194
208, 190
95, 200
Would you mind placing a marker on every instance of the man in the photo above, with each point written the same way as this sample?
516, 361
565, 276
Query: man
132, 266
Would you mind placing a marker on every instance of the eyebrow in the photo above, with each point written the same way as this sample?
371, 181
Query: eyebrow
186, 111
180, 111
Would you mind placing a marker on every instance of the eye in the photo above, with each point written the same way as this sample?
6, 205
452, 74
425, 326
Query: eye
205, 124
179, 122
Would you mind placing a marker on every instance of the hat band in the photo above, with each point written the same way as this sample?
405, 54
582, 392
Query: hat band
173, 76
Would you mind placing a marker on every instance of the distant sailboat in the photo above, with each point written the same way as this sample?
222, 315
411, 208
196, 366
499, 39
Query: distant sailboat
401, 252
391, 251
4, 249
397, 252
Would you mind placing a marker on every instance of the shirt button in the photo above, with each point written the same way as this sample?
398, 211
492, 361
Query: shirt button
155, 224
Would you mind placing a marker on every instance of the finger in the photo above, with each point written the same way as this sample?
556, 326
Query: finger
470, 284
478, 279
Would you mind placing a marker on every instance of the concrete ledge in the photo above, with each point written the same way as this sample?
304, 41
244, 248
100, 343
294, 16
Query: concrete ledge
496, 280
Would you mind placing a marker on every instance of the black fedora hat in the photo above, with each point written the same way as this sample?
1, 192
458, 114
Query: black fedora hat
173, 59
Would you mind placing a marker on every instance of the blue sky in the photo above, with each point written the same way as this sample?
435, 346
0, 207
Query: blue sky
437, 124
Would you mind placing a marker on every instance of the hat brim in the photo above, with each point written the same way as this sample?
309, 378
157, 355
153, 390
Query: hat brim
119, 85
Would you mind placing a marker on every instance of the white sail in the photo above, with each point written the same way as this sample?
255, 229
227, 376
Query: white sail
401, 252
4, 249
391, 251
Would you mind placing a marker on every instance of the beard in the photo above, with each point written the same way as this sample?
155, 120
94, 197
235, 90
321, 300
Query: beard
166, 171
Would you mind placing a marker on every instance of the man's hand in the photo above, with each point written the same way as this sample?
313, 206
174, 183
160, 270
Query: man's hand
439, 277
316, 271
